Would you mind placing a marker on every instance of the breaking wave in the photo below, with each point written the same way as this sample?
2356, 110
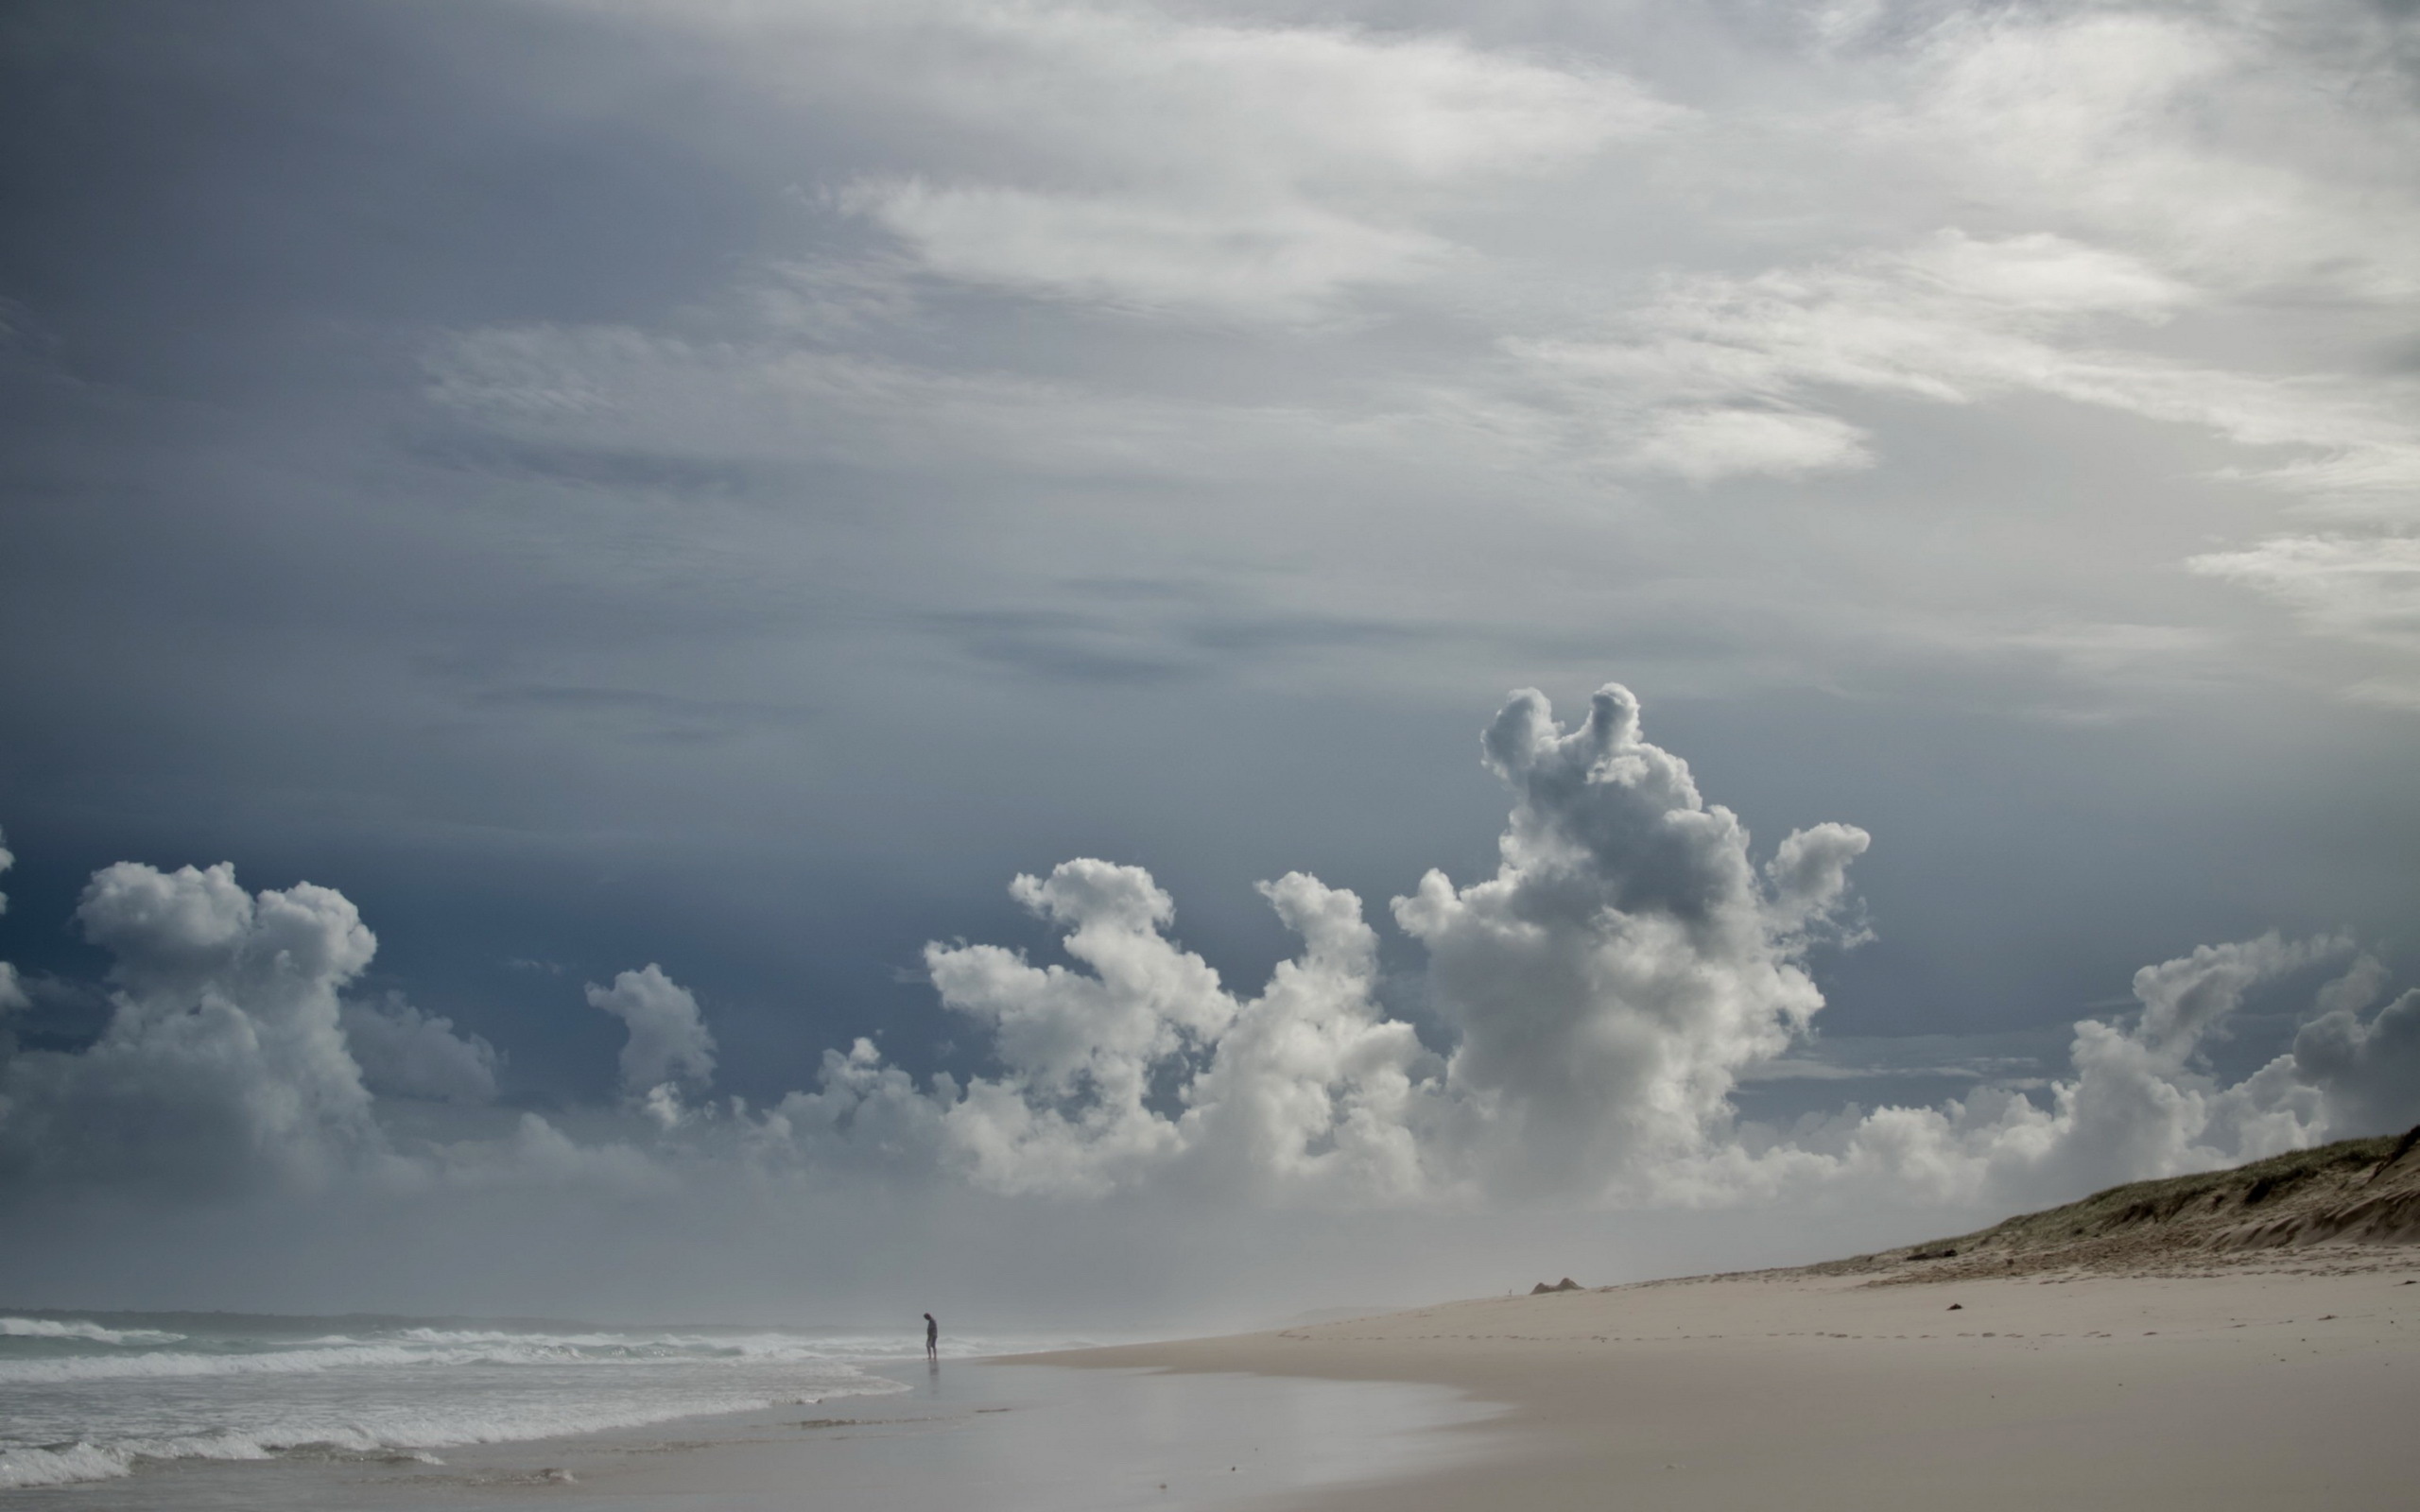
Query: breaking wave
45, 1328
91, 1399
418, 1346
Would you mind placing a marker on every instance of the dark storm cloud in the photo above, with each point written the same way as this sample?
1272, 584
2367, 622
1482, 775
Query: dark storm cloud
195, 190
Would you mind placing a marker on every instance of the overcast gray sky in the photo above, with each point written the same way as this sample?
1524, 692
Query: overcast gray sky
659, 513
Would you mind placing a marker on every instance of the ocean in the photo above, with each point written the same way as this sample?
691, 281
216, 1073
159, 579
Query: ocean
147, 1411
90, 1395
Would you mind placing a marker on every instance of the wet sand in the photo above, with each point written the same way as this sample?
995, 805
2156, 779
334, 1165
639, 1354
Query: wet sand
2284, 1382
969, 1436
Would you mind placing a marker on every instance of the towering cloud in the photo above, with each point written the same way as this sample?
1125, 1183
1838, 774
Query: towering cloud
224, 1060
1626, 959
1305, 1087
230, 1056
1603, 989
1144, 1066
1603, 993
1313, 1088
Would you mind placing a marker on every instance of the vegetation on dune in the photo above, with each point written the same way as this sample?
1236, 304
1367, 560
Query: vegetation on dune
2352, 1192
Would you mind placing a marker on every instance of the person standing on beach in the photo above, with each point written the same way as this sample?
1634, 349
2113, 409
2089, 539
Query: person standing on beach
932, 1339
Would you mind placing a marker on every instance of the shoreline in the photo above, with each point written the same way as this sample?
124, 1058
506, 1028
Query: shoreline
2203, 1381
2277, 1381
977, 1430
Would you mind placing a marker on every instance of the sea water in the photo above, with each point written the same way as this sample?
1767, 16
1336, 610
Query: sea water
93, 1395
126, 1412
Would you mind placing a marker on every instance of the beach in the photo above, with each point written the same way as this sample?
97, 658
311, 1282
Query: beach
2266, 1380
2247, 1339
2283, 1381
177, 1412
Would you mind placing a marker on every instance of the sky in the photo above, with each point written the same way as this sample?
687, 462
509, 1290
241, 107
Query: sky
1155, 662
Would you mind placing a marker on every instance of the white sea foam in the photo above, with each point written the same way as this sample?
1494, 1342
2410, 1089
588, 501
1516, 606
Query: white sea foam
281, 1362
764, 1345
61, 1465
458, 1349
404, 1432
45, 1328
65, 1465
88, 1461
83, 1401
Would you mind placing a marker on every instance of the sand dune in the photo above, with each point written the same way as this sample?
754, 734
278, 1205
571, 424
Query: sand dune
2245, 1339
2356, 1191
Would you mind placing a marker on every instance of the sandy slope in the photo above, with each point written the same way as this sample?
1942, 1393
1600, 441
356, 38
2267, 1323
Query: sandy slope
2112, 1354
2358, 1192
2271, 1389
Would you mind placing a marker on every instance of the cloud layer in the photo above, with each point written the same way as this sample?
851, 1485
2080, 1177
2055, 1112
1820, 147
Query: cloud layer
1184, 166
1406, 259
1592, 1007
713, 491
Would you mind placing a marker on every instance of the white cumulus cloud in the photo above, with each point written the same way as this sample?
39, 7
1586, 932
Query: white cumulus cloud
1626, 960
1604, 989
224, 1057
1594, 1006
229, 1056
669, 1041
2139, 1099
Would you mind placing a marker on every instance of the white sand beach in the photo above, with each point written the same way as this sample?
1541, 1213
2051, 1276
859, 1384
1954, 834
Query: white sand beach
2285, 1379
2286, 1382
2231, 1339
